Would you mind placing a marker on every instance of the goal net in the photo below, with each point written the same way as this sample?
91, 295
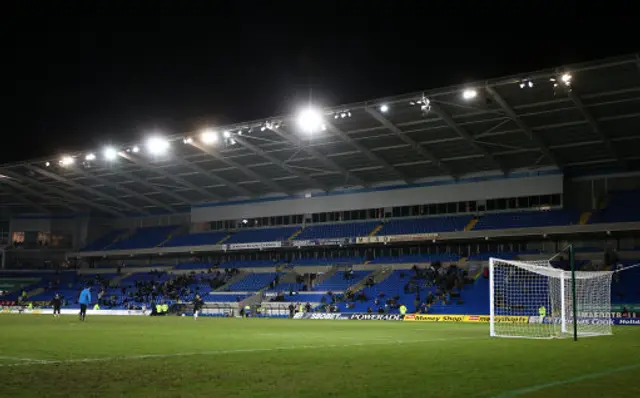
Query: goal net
532, 299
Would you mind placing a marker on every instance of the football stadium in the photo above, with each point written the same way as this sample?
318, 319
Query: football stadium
480, 240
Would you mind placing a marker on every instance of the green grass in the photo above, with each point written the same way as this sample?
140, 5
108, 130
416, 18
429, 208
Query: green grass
40, 356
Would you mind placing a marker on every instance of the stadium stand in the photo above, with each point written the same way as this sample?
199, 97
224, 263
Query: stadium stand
302, 262
623, 206
144, 237
199, 239
341, 281
104, 241
339, 230
262, 235
425, 225
526, 219
252, 282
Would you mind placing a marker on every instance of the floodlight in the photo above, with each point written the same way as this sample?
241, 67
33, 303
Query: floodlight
310, 120
67, 161
469, 94
566, 78
187, 140
209, 137
110, 153
384, 108
157, 145
135, 149
245, 221
90, 157
47, 164
227, 134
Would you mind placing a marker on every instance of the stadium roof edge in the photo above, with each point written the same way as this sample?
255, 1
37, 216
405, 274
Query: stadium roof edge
429, 93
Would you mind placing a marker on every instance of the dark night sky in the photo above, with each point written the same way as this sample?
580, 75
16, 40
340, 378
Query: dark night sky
82, 82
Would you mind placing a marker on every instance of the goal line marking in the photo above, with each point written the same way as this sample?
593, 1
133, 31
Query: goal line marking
544, 386
222, 352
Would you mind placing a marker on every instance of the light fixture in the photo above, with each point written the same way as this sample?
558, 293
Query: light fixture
135, 149
209, 137
310, 120
384, 108
110, 153
566, 78
90, 157
67, 161
47, 164
245, 221
469, 94
187, 140
226, 134
157, 145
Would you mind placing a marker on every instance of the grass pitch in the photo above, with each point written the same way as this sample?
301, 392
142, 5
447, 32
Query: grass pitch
180, 357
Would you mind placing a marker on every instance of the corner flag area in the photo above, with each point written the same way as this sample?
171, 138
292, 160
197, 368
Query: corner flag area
177, 356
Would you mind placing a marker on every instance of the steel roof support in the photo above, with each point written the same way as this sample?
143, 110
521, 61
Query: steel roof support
258, 151
522, 126
368, 153
464, 134
38, 194
24, 200
267, 181
592, 122
128, 191
63, 193
318, 155
425, 153
178, 180
85, 188
150, 185
239, 189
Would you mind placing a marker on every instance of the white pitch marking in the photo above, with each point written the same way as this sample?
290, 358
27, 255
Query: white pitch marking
22, 359
221, 352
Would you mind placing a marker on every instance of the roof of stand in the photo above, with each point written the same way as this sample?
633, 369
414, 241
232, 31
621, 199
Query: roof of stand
579, 118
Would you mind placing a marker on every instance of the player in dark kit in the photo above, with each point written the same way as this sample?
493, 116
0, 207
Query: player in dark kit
197, 306
56, 303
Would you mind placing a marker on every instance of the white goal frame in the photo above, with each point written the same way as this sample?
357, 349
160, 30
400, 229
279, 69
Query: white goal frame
555, 290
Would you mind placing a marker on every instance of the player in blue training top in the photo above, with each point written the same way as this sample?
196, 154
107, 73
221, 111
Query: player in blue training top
84, 300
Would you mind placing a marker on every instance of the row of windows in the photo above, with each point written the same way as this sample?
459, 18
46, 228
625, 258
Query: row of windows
524, 202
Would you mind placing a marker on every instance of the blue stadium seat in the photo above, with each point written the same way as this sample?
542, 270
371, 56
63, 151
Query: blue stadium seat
199, 239
262, 235
339, 230
526, 219
144, 238
252, 282
425, 225
104, 241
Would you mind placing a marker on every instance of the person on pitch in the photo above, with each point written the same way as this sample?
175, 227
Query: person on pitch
197, 306
56, 303
84, 300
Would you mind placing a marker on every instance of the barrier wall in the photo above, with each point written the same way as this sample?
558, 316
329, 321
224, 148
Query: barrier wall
49, 311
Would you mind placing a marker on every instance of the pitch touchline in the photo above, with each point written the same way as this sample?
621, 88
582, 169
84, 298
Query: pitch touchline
538, 387
220, 352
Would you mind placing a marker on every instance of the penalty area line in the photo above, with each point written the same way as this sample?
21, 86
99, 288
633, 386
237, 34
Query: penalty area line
544, 386
223, 352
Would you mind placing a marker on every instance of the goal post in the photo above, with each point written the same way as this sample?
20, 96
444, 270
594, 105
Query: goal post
532, 299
